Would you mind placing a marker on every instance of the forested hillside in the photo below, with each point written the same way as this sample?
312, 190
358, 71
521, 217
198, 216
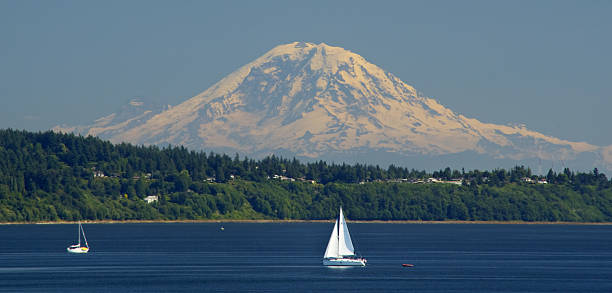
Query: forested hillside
49, 176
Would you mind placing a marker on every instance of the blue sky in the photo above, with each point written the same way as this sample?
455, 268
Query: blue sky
546, 64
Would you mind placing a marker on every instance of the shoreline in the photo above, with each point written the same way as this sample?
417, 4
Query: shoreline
305, 221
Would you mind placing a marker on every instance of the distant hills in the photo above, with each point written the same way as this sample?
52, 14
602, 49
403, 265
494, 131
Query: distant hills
315, 101
63, 177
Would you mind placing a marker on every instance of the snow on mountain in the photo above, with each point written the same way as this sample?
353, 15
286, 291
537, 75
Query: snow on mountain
317, 101
135, 112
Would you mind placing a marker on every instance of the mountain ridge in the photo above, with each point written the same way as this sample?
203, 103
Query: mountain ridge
311, 100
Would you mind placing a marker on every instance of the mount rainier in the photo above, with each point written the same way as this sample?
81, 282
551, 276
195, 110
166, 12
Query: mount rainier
315, 101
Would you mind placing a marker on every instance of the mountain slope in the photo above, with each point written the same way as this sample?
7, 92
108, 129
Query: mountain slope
317, 101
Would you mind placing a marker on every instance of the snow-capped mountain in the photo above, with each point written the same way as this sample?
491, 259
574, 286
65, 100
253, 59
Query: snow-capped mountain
324, 102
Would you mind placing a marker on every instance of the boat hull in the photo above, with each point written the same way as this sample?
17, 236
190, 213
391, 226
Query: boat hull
78, 249
344, 262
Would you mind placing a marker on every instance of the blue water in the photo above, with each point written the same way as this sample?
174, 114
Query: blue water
281, 257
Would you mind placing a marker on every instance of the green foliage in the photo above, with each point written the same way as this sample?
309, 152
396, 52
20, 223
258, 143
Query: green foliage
49, 177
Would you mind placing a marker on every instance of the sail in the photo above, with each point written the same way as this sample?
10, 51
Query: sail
345, 245
332, 245
340, 243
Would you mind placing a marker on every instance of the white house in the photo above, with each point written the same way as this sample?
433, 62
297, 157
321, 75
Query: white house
98, 173
150, 198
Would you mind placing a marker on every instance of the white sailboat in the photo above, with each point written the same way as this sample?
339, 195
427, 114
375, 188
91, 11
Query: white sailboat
340, 250
77, 248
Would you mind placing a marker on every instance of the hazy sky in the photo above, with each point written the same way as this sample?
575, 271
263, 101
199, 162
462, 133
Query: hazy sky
546, 64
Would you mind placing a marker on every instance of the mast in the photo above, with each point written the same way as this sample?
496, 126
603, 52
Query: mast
338, 231
79, 232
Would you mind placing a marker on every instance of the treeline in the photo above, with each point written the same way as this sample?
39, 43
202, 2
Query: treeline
51, 176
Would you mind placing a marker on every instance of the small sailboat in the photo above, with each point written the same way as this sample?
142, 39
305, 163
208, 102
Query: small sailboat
340, 250
78, 248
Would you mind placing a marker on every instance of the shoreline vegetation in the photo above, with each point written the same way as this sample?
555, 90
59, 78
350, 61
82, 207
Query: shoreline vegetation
48, 177
221, 221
